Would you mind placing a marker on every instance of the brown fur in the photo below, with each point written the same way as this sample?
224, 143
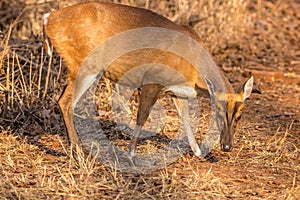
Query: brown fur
76, 30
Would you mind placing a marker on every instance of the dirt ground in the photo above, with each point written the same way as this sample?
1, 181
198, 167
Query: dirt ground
259, 38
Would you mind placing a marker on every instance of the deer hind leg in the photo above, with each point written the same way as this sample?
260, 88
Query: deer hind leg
148, 97
66, 105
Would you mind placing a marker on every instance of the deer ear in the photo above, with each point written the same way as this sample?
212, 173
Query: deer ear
247, 89
210, 87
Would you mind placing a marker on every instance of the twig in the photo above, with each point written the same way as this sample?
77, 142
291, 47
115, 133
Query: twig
40, 72
6, 47
36, 65
281, 114
30, 75
5, 111
22, 75
147, 4
12, 81
48, 75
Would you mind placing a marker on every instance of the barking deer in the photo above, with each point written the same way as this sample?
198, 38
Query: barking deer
77, 30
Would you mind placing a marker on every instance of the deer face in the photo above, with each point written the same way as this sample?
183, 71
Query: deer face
228, 111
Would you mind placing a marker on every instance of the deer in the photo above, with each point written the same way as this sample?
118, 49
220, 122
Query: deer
75, 31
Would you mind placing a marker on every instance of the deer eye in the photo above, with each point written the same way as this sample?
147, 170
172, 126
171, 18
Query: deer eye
238, 118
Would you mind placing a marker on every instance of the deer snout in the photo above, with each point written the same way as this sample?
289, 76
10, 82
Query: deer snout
226, 139
226, 147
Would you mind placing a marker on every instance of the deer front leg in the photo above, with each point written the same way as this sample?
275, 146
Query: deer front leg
148, 97
183, 111
66, 105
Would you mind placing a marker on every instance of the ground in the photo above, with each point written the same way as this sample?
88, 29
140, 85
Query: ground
259, 38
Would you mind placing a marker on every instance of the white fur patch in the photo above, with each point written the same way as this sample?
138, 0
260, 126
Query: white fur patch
46, 40
45, 17
85, 84
183, 90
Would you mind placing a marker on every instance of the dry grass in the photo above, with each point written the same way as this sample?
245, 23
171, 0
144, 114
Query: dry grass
30, 173
241, 35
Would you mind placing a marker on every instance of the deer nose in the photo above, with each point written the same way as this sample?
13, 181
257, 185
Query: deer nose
226, 147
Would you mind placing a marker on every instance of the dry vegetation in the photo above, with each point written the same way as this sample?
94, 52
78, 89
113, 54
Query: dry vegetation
244, 37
